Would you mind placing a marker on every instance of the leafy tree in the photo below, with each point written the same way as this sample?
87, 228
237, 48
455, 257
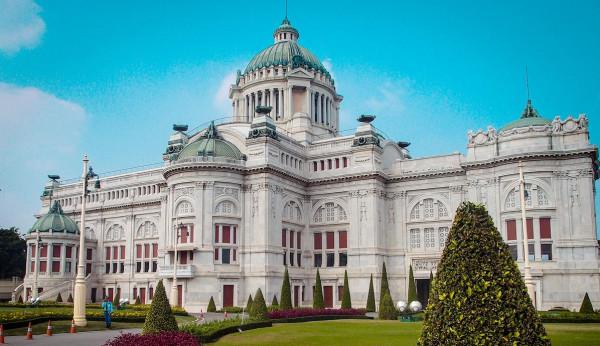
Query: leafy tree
371, 297
586, 305
13, 253
70, 298
259, 307
385, 287
211, 305
387, 310
138, 301
160, 317
249, 304
346, 301
479, 297
275, 303
116, 298
412, 290
286, 293
59, 298
318, 293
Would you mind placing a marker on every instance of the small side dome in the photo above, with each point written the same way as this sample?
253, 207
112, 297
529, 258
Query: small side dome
56, 221
210, 144
529, 117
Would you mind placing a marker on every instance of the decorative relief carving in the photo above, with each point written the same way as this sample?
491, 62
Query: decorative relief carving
227, 191
570, 124
458, 188
482, 137
425, 264
574, 192
363, 211
185, 191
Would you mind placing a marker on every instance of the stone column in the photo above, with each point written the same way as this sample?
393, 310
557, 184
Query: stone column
318, 108
290, 101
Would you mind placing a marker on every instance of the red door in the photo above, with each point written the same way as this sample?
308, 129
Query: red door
143, 295
227, 295
328, 296
110, 293
179, 295
296, 295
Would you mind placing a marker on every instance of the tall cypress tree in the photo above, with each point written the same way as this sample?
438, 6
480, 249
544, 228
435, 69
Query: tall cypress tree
159, 317
412, 290
385, 287
318, 293
346, 301
211, 305
286, 293
479, 296
259, 307
586, 305
274, 302
371, 297
249, 304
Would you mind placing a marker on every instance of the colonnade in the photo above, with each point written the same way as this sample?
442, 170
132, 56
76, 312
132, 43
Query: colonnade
322, 108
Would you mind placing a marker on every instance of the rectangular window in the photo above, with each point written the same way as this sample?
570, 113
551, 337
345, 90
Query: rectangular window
531, 250
154, 250
33, 251
318, 241
415, 238
429, 238
32, 267
107, 268
67, 267
546, 252
314, 166
511, 230
318, 260
184, 234
285, 258
329, 240
108, 253
234, 251
88, 268
138, 251
337, 162
226, 235
299, 255
56, 251
329, 166
122, 267
146, 250
115, 252
115, 267
55, 266
122, 251
89, 254
151, 293
343, 239
322, 165
146, 266
225, 256
343, 259
284, 237
545, 231
216, 233
138, 267
154, 266
291, 239
330, 259
345, 159
291, 259
43, 266
443, 236
69, 251
298, 240
234, 234
216, 254
44, 250
529, 228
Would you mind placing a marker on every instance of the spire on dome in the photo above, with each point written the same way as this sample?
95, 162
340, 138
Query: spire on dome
529, 111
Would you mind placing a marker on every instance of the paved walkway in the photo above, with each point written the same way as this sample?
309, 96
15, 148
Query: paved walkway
96, 338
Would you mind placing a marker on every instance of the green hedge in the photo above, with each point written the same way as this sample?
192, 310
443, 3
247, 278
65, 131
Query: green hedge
568, 317
232, 310
212, 331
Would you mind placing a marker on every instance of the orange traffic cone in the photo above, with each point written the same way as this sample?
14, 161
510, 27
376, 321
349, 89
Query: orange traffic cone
29, 335
49, 329
1, 333
73, 329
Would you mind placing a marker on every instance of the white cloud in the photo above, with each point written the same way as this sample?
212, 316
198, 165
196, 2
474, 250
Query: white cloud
221, 99
329, 66
20, 25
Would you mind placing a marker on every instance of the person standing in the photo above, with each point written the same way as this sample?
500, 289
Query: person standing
108, 308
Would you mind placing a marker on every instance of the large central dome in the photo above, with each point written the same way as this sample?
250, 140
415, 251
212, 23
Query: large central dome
285, 51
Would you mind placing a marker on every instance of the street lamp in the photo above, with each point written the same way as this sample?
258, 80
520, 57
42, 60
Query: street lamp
80, 284
528, 278
174, 290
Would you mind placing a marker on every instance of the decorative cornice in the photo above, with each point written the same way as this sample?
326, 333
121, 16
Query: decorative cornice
550, 155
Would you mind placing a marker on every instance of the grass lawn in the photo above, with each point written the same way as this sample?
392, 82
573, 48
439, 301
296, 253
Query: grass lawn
365, 332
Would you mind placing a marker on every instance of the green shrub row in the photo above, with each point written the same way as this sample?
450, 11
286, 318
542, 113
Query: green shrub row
212, 331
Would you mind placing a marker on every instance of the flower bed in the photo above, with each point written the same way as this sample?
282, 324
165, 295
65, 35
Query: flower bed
308, 312
11, 319
158, 339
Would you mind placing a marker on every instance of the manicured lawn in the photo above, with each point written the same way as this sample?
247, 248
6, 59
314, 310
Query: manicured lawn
361, 332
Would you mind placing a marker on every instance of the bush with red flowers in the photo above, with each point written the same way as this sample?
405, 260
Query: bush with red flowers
156, 339
308, 312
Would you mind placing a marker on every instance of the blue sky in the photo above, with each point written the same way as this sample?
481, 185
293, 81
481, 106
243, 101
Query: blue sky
110, 78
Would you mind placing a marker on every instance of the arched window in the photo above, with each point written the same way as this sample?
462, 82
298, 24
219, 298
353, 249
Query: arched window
535, 196
147, 230
225, 207
184, 208
429, 209
292, 212
330, 212
114, 233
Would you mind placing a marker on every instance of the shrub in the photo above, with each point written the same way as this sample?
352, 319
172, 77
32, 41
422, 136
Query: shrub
211, 305
318, 293
274, 302
231, 309
346, 301
286, 293
259, 307
59, 298
156, 339
479, 296
412, 290
371, 297
159, 318
385, 287
387, 310
305, 312
210, 328
116, 298
586, 305
249, 304
70, 298
138, 301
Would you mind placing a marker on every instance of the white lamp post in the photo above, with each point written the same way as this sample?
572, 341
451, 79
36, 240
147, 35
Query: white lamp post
174, 290
528, 279
80, 285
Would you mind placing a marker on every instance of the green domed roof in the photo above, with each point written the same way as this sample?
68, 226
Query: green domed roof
210, 144
56, 221
530, 117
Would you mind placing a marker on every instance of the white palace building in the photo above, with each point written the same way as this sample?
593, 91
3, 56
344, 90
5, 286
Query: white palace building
277, 185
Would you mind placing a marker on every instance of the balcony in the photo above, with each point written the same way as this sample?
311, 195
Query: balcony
183, 271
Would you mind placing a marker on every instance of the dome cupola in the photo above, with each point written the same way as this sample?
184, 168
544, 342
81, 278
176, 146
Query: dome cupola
286, 32
210, 144
529, 117
55, 221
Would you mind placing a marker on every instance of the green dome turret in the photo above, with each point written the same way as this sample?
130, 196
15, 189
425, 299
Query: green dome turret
56, 221
210, 144
529, 117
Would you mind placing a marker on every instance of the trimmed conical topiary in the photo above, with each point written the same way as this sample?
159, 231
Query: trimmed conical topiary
412, 289
138, 301
249, 304
259, 307
159, 317
346, 301
318, 293
586, 305
70, 298
286, 292
479, 297
274, 302
385, 287
211, 305
59, 298
116, 298
371, 297
387, 310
